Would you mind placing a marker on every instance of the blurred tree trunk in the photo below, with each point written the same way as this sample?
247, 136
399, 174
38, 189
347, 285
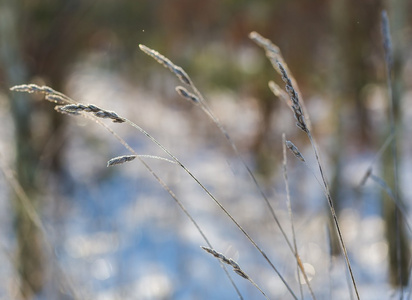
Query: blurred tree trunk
30, 253
261, 146
338, 17
399, 252
38, 40
352, 25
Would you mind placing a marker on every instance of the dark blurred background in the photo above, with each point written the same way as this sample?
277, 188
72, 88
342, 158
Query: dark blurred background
100, 223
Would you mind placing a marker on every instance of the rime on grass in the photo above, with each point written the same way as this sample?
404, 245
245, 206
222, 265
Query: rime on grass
235, 266
178, 71
294, 150
275, 57
73, 108
303, 123
198, 99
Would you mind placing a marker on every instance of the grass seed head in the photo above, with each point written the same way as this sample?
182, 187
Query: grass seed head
120, 160
294, 96
294, 150
75, 109
167, 63
187, 95
55, 98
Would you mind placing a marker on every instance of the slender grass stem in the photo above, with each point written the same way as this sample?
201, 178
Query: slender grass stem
31, 212
235, 266
285, 178
218, 203
198, 99
302, 124
163, 185
375, 158
332, 210
64, 101
399, 205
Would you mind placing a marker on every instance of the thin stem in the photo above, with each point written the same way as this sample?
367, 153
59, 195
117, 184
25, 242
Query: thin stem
218, 203
62, 99
375, 158
198, 99
235, 266
332, 210
167, 189
302, 124
399, 205
285, 178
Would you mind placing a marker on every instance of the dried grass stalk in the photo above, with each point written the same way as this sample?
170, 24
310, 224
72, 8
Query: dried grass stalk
120, 160
294, 150
75, 109
187, 95
69, 106
275, 57
234, 265
203, 105
378, 155
302, 125
167, 63
294, 96
272, 51
50, 94
301, 116
289, 206
281, 94
126, 158
227, 261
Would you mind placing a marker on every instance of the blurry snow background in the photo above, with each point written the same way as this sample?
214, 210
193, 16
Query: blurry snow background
116, 234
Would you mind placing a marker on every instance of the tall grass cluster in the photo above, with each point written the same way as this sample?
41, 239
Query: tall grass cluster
295, 275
